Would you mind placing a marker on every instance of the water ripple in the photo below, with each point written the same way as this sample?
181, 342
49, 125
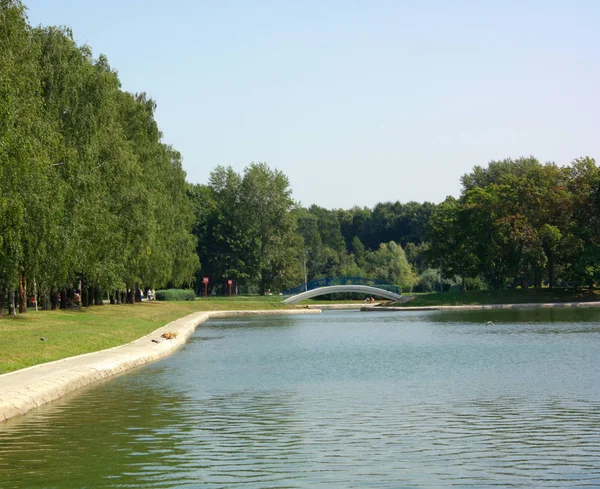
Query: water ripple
172, 425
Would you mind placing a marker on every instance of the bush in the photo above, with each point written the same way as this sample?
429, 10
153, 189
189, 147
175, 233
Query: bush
175, 295
429, 281
476, 283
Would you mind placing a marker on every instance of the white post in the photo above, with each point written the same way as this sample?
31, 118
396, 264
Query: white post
305, 274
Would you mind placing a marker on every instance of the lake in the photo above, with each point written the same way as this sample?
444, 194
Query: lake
339, 400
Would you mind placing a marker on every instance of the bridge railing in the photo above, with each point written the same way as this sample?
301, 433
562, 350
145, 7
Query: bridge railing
325, 282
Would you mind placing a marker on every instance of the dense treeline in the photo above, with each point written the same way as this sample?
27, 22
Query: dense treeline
251, 231
92, 199
517, 223
246, 230
521, 223
89, 195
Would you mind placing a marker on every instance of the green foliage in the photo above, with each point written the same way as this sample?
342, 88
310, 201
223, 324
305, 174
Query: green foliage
175, 295
266, 205
88, 192
388, 221
519, 222
428, 281
476, 283
246, 228
389, 264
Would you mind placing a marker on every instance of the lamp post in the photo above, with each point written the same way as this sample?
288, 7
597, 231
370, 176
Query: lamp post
305, 274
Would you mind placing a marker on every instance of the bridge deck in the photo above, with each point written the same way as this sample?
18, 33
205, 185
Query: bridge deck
334, 289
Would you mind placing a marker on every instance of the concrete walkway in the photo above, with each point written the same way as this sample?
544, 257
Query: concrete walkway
474, 307
23, 390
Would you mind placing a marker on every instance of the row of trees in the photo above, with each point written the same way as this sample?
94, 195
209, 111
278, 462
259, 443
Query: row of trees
246, 228
363, 242
516, 223
520, 223
251, 231
89, 195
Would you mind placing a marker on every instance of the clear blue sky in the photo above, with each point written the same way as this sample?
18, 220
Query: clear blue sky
357, 102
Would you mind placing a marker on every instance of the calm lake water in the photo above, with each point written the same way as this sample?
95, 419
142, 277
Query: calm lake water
339, 400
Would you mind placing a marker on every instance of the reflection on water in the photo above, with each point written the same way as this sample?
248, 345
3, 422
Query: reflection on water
343, 400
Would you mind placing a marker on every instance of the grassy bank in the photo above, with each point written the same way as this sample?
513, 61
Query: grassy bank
518, 296
69, 333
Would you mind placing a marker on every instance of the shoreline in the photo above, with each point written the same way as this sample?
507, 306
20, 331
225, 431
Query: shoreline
334, 307
476, 307
32, 387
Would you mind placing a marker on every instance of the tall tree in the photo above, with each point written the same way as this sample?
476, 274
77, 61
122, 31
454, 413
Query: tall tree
267, 206
453, 245
584, 188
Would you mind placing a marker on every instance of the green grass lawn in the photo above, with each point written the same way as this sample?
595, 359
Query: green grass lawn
69, 333
518, 296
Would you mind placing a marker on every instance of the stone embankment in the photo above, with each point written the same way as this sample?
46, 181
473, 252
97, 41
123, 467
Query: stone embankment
336, 307
477, 307
32, 387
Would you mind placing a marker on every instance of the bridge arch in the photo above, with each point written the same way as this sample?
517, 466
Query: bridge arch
333, 289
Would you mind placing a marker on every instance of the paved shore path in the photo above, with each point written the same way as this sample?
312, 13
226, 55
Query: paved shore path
26, 389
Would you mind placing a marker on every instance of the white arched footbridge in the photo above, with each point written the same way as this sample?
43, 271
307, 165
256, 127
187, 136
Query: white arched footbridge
334, 289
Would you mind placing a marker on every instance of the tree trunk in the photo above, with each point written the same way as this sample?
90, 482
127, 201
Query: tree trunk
63, 299
12, 310
118, 296
46, 304
55, 304
36, 296
550, 270
70, 295
98, 299
22, 294
85, 293
2, 298
515, 282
